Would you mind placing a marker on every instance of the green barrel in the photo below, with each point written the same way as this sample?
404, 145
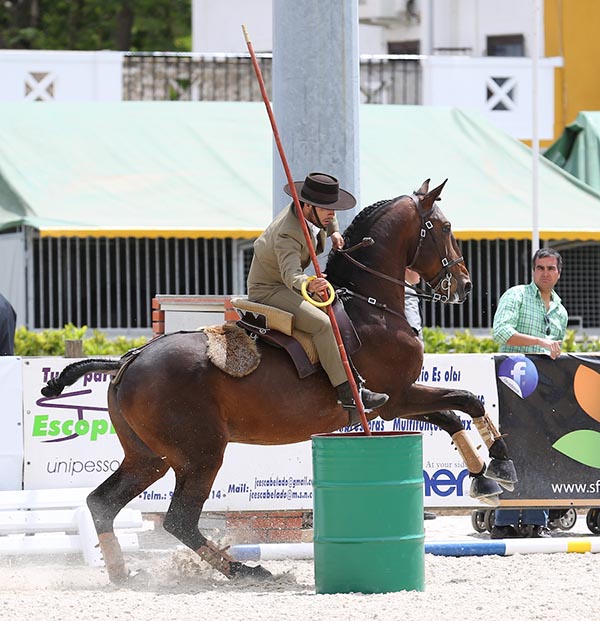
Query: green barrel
368, 532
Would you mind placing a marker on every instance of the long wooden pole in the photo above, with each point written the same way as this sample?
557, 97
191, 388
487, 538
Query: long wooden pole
313, 256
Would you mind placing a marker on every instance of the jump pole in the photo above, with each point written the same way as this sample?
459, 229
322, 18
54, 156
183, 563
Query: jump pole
313, 256
497, 547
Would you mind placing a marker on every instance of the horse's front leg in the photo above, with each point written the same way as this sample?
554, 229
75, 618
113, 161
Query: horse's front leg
500, 468
482, 488
421, 400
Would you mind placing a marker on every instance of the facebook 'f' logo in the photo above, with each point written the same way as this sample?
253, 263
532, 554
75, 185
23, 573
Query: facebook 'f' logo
519, 374
518, 371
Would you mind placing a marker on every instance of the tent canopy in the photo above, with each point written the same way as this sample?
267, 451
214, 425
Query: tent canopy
203, 169
578, 149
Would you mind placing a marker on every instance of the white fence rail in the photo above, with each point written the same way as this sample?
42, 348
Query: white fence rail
57, 521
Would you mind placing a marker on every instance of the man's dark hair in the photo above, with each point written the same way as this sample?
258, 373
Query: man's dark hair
544, 253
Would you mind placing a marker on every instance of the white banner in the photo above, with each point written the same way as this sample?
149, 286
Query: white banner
69, 442
11, 414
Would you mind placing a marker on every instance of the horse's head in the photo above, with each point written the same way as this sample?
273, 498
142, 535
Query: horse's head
408, 231
437, 256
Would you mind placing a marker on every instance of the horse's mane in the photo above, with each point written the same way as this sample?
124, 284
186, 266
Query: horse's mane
359, 227
364, 217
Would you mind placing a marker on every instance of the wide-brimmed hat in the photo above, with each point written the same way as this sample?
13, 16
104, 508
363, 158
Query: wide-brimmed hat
322, 190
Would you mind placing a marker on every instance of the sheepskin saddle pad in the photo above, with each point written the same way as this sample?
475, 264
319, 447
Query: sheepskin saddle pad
231, 349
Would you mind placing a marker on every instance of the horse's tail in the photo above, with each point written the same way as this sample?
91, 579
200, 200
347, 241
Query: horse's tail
71, 373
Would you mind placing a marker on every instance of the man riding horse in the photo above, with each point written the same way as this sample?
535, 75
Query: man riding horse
277, 275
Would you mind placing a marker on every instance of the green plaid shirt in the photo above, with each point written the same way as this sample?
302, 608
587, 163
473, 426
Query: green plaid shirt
521, 309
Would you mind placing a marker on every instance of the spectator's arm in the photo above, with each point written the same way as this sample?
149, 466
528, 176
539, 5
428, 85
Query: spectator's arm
506, 318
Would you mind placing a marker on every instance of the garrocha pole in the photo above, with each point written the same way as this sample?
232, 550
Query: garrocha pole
313, 256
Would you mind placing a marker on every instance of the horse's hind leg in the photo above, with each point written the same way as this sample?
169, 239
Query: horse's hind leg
138, 470
134, 475
194, 479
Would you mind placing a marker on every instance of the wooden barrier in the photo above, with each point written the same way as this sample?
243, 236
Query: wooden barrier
58, 521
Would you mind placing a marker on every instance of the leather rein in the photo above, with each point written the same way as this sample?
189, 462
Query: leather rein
444, 275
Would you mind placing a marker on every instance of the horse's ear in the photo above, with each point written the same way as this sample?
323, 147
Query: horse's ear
432, 196
424, 188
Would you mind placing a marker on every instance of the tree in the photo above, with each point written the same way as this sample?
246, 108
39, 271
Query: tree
134, 25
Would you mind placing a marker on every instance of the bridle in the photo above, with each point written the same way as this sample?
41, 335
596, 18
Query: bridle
443, 278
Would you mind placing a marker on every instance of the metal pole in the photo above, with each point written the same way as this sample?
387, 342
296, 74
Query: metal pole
313, 256
535, 139
316, 92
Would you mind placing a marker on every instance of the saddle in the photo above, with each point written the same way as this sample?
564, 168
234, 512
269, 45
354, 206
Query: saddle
276, 327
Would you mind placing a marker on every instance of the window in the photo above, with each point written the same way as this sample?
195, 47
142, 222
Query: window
404, 47
506, 45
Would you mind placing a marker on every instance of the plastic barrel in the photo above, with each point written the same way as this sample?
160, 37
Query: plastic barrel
368, 526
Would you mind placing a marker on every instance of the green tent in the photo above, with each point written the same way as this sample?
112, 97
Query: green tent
142, 169
203, 169
578, 149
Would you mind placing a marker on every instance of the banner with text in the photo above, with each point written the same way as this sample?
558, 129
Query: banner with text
69, 442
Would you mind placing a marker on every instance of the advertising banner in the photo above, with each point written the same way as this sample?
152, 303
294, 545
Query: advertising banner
69, 442
446, 479
550, 413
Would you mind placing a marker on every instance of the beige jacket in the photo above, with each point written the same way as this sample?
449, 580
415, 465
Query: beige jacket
281, 253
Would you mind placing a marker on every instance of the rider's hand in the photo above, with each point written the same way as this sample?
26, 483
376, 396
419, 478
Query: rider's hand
337, 240
320, 286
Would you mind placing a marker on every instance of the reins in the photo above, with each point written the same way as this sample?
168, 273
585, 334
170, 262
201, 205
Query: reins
343, 292
368, 241
444, 275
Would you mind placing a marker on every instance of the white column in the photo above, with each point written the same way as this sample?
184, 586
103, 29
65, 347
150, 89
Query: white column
316, 93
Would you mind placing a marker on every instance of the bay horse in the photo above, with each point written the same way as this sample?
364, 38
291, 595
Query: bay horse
173, 408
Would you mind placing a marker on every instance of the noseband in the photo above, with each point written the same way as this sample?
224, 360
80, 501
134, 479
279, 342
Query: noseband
442, 280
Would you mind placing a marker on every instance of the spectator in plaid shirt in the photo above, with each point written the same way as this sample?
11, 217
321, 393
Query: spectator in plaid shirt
530, 319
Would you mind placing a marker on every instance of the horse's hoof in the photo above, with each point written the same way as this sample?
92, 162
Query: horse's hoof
486, 490
239, 570
134, 580
492, 501
503, 471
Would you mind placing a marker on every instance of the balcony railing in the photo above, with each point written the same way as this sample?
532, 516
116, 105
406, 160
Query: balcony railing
230, 77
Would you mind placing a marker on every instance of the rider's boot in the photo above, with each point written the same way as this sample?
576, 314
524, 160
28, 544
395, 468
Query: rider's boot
370, 400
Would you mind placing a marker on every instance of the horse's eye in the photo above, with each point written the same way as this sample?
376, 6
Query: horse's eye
447, 228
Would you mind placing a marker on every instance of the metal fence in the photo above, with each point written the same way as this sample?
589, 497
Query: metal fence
109, 283
230, 77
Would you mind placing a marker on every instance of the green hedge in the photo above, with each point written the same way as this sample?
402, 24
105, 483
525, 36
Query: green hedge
463, 342
437, 341
52, 342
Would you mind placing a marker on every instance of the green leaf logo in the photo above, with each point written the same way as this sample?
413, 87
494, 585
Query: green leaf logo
582, 446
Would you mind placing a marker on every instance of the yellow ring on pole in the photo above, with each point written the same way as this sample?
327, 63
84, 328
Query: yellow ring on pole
307, 297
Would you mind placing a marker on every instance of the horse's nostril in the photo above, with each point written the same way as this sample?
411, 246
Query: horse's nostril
468, 286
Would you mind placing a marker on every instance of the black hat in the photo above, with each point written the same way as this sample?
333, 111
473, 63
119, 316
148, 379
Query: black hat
322, 190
